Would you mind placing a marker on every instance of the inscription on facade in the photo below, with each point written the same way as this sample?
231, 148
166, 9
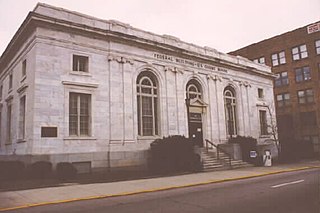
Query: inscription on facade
170, 58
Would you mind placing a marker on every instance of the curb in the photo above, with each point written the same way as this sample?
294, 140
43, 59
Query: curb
158, 189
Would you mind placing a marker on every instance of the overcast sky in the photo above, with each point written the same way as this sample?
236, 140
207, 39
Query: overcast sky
225, 25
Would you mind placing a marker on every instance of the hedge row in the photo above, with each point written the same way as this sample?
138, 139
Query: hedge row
15, 170
173, 154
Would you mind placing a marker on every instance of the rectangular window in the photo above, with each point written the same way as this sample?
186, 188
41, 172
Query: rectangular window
278, 58
10, 82
9, 117
80, 63
260, 93
305, 96
317, 44
22, 118
260, 60
24, 68
299, 52
308, 118
79, 114
283, 100
263, 122
302, 74
281, 79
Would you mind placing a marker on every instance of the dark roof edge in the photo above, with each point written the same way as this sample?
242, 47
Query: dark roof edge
264, 40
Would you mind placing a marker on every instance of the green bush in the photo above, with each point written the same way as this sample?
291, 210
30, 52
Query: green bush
66, 170
172, 154
40, 169
11, 170
247, 144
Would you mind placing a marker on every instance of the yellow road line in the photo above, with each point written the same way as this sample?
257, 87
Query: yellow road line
157, 189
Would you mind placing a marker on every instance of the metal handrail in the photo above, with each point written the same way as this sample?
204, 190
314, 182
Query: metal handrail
219, 149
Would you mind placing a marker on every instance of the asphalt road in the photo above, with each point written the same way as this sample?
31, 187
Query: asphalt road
293, 192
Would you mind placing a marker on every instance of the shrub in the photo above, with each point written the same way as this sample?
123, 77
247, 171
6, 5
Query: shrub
40, 169
173, 153
11, 170
66, 170
247, 144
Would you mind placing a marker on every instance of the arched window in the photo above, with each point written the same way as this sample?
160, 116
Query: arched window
194, 89
230, 110
147, 101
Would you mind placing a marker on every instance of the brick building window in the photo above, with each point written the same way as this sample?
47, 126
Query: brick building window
283, 99
302, 74
305, 96
263, 122
260, 60
299, 52
317, 44
278, 58
80, 63
79, 114
281, 79
308, 118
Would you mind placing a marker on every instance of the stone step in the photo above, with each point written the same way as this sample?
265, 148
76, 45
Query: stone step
208, 158
211, 163
211, 160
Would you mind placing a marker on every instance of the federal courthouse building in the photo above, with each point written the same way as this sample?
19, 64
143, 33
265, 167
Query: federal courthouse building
79, 89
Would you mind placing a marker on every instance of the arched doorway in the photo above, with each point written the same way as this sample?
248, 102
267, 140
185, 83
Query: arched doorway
195, 109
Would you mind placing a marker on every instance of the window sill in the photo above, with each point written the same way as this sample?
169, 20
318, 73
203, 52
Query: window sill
80, 138
21, 140
279, 65
300, 59
80, 73
303, 81
306, 104
148, 137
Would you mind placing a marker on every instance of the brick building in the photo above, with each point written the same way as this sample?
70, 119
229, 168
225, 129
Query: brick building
295, 59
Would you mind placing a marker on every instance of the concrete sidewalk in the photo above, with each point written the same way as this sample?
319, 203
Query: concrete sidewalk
73, 192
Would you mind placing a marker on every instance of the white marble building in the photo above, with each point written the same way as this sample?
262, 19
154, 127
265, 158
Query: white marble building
84, 90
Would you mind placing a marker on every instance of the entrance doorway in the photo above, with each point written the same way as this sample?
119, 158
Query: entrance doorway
195, 128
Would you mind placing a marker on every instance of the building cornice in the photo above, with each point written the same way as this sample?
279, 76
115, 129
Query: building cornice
53, 17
